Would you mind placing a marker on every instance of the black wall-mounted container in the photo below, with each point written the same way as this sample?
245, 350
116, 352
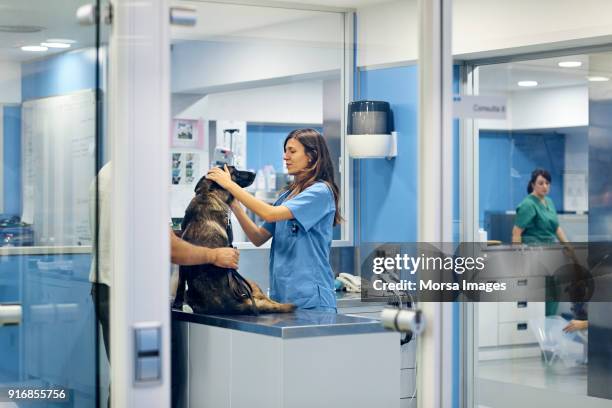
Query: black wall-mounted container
369, 118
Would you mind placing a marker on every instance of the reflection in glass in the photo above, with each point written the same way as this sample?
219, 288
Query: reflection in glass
550, 346
239, 89
48, 132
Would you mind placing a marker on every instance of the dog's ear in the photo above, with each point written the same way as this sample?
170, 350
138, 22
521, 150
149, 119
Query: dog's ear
201, 186
243, 178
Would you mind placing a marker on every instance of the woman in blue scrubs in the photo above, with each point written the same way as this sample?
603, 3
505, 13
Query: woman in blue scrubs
301, 223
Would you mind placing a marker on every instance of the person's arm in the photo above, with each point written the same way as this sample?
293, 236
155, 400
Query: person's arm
265, 211
184, 253
568, 250
561, 235
517, 232
575, 325
256, 234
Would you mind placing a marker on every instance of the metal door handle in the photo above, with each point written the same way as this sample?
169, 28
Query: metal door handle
183, 16
87, 14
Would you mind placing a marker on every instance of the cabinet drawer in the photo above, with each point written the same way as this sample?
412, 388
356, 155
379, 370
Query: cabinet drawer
520, 311
515, 333
527, 288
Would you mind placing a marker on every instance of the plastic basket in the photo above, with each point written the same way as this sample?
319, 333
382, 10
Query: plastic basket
569, 348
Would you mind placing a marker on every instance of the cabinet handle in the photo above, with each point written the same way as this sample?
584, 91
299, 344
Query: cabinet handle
521, 305
521, 326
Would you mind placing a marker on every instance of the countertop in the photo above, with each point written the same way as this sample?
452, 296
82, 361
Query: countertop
44, 250
299, 324
352, 299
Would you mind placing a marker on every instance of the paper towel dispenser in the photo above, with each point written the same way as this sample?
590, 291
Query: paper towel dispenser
370, 131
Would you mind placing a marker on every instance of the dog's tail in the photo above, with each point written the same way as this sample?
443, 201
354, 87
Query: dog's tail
241, 288
269, 306
179, 299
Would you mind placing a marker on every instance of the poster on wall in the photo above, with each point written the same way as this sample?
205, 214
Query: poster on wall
185, 168
187, 133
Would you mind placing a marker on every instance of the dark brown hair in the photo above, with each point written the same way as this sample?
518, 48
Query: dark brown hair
534, 177
320, 166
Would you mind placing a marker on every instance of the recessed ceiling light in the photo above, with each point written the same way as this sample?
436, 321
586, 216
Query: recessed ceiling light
570, 64
527, 83
34, 48
598, 78
55, 45
61, 40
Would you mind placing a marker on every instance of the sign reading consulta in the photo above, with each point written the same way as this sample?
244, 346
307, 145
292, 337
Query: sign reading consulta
479, 107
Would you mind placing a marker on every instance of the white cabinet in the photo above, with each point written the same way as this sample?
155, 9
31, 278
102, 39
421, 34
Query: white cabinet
407, 351
504, 327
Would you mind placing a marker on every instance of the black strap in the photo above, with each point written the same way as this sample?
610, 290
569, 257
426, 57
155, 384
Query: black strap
238, 284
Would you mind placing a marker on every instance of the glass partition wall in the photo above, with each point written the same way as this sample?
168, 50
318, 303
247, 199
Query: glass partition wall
51, 79
544, 348
243, 78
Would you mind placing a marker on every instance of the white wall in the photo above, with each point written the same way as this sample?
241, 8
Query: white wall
550, 108
309, 46
298, 102
388, 33
544, 108
10, 82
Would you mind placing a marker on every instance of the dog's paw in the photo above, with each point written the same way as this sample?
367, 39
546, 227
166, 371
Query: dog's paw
187, 308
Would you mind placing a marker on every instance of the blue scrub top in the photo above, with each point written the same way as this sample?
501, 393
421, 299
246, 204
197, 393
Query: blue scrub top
300, 272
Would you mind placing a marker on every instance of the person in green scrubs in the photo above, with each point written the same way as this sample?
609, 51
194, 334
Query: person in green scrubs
536, 223
536, 219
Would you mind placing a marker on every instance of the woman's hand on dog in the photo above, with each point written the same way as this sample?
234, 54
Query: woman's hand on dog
226, 257
235, 206
222, 177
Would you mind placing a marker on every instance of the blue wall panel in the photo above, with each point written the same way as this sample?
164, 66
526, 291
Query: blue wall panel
265, 144
388, 188
12, 160
506, 162
68, 72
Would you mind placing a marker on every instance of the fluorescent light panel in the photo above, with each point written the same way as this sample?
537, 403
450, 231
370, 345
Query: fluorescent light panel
55, 45
598, 78
570, 64
34, 48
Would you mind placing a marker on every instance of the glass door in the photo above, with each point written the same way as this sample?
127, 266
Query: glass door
536, 148
548, 343
52, 84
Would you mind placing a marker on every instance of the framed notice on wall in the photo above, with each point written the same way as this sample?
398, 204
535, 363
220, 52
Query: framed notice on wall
575, 192
187, 133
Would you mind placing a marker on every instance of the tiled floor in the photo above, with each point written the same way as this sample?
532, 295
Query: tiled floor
535, 373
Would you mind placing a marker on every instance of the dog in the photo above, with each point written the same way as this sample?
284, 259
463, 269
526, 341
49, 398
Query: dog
209, 289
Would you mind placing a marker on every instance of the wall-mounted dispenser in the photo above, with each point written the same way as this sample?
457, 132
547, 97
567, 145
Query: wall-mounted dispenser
370, 130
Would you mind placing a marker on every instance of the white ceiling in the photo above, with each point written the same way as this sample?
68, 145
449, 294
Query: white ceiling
57, 19
504, 77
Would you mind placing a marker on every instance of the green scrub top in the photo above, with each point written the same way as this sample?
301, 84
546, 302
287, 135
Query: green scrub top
538, 221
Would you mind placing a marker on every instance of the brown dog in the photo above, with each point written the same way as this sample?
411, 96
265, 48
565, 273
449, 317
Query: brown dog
211, 289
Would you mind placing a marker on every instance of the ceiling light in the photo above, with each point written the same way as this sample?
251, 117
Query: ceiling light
34, 48
598, 78
527, 83
570, 64
60, 40
55, 45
